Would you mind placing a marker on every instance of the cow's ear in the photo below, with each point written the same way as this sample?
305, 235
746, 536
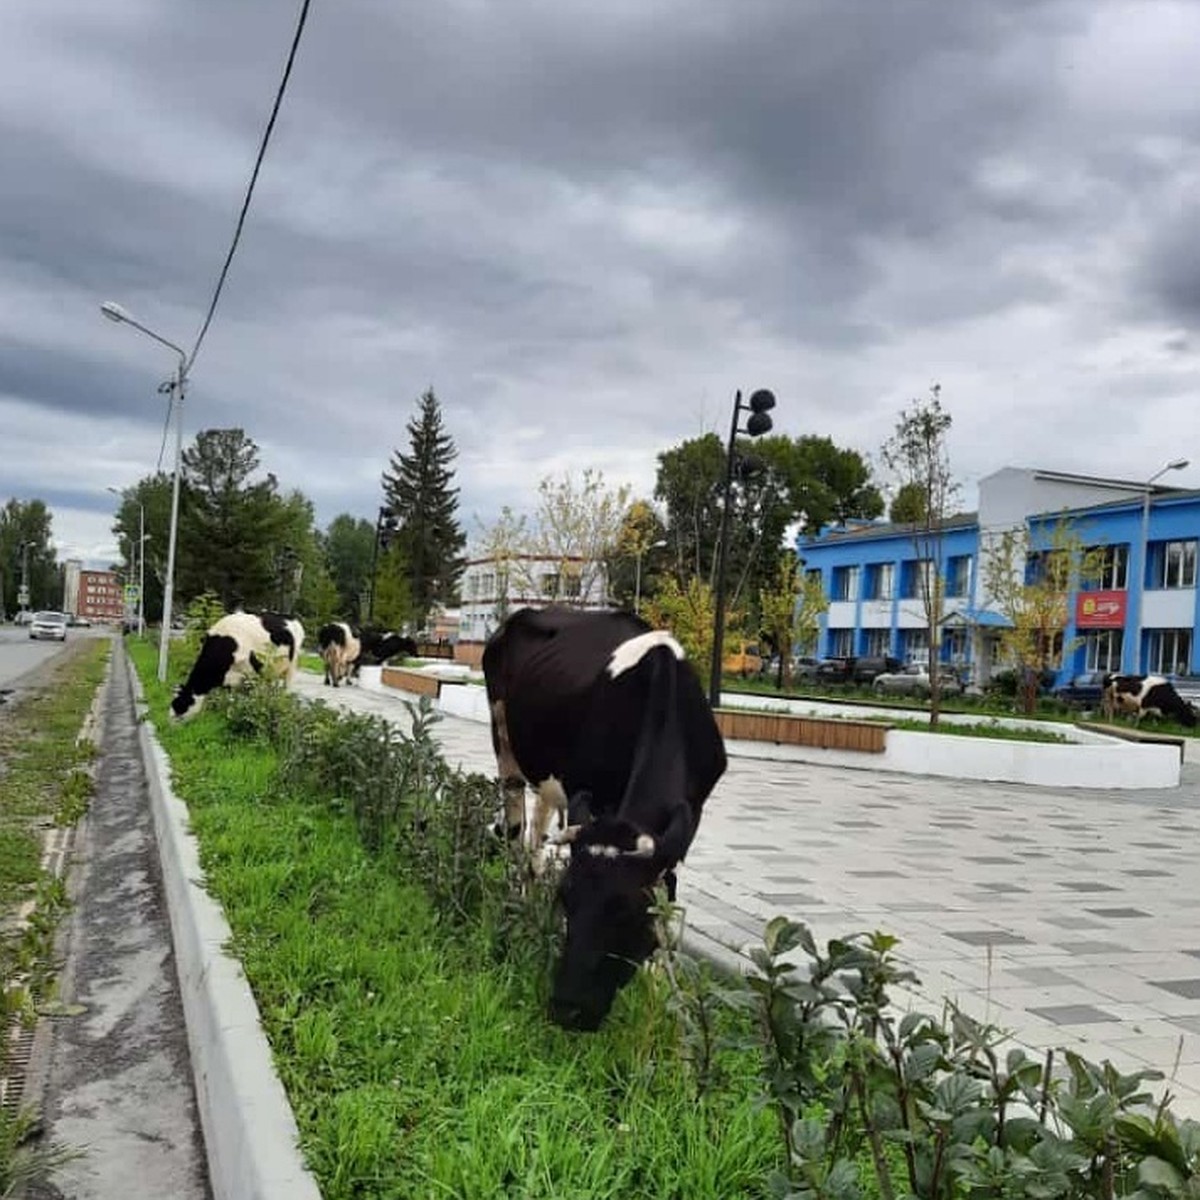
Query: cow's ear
579, 809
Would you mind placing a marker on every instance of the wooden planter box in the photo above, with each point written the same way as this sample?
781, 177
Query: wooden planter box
412, 681
867, 737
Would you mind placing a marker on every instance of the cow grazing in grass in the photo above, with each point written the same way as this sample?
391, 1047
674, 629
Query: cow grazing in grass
379, 645
1146, 695
340, 649
604, 718
237, 646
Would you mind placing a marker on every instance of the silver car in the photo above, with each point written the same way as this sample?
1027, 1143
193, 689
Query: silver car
913, 680
51, 625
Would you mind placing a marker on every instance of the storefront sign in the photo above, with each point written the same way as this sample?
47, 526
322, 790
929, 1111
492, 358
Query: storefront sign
1100, 610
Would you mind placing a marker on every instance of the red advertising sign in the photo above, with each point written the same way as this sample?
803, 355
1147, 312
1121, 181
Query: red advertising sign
1100, 610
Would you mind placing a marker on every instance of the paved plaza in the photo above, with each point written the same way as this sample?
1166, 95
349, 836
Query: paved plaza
1066, 916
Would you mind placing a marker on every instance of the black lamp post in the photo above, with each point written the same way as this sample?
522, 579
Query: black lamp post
757, 406
387, 524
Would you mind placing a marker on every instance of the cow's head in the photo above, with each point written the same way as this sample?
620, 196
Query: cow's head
605, 892
185, 703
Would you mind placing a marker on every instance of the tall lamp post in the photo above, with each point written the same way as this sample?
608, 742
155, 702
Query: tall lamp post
758, 406
114, 312
637, 586
386, 526
140, 563
1176, 464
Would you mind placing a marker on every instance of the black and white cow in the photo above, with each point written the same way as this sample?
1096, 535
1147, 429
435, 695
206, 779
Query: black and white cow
1144, 695
603, 717
237, 646
340, 649
380, 645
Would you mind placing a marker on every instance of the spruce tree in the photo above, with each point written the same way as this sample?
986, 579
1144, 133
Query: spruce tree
418, 490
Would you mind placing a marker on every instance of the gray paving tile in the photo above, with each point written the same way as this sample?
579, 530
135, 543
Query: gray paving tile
991, 859
1189, 989
1148, 873
1072, 1014
1003, 888
1086, 886
790, 898
1043, 977
878, 874
1118, 914
987, 937
1097, 947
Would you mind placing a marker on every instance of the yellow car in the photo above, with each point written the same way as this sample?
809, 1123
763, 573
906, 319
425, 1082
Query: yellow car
744, 659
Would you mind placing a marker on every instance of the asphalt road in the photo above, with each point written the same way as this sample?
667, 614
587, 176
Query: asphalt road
20, 654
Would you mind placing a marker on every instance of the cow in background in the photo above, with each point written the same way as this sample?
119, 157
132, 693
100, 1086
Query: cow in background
1142, 695
605, 719
235, 647
379, 645
339, 649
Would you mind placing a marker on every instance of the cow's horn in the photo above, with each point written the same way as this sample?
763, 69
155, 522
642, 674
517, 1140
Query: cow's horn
566, 835
644, 847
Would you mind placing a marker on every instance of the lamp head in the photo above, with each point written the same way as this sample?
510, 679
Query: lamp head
113, 311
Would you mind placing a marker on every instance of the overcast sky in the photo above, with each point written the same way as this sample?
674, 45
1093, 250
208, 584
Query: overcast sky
586, 224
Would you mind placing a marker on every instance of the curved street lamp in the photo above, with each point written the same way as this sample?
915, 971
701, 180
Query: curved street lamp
114, 312
1139, 658
758, 406
637, 587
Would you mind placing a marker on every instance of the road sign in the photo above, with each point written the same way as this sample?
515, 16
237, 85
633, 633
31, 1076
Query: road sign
23, 597
131, 593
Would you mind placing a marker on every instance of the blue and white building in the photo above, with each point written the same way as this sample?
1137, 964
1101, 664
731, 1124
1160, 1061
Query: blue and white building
1142, 615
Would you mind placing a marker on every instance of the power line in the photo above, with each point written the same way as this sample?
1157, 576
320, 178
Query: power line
262, 149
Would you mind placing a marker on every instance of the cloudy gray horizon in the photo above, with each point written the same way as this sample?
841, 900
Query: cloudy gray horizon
586, 226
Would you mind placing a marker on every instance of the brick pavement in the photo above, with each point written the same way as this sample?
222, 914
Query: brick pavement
1067, 917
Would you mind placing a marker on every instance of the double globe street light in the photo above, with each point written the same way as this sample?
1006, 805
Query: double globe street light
177, 386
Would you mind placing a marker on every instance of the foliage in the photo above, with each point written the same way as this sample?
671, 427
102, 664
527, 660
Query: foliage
575, 529
637, 556
506, 544
348, 547
28, 522
908, 504
394, 606
688, 612
202, 614
1030, 582
930, 1107
417, 488
791, 611
917, 453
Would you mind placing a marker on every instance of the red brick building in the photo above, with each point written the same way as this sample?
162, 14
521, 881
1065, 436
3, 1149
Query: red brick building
97, 595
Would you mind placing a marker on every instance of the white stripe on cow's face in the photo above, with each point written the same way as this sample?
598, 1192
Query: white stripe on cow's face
629, 654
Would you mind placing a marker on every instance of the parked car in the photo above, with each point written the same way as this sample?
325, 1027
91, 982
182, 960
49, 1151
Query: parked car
51, 625
867, 668
1085, 690
913, 680
834, 670
81, 622
743, 659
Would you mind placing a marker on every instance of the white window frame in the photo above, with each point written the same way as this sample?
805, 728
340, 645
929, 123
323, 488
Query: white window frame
848, 576
1181, 555
1103, 649
841, 643
878, 642
1169, 651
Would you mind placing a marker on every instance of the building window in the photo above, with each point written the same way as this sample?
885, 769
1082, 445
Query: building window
841, 643
881, 581
1175, 566
914, 645
954, 646
877, 642
1102, 649
1170, 651
958, 575
550, 585
845, 583
1114, 568
914, 578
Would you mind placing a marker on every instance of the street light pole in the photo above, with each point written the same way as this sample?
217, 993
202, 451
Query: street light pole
758, 424
137, 561
177, 387
637, 586
1139, 659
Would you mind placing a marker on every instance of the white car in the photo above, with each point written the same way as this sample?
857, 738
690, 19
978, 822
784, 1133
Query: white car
913, 680
51, 625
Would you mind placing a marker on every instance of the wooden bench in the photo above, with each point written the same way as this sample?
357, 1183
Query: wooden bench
1128, 733
416, 682
787, 729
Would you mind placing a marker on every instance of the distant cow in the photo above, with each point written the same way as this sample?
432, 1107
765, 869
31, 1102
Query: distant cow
237, 646
339, 649
379, 645
1146, 694
605, 719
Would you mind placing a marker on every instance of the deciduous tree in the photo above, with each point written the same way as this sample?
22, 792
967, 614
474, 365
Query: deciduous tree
791, 610
28, 523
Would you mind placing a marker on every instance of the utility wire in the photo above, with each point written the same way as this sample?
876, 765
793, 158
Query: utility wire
262, 149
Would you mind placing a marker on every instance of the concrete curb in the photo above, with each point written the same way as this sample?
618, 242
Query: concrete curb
250, 1132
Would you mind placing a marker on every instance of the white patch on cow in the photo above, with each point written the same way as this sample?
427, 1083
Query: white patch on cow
598, 851
628, 654
645, 846
551, 799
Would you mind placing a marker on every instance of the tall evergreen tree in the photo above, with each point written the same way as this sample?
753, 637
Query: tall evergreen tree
417, 488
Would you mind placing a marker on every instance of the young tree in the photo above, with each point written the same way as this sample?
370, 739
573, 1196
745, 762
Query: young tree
908, 505
394, 606
506, 543
918, 455
688, 611
791, 611
417, 488
631, 567
1030, 581
576, 527
151, 494
25, 551
348, 548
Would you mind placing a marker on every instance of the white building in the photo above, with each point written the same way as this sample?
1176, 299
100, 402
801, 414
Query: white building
492, 589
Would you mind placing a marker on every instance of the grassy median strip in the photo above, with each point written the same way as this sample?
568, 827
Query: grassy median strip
417, 1059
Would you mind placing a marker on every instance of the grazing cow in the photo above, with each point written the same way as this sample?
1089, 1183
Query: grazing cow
339, 649
236, 646
604, 718
378, 646
1146, 694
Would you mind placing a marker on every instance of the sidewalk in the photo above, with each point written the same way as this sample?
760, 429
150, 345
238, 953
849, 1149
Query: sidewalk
1068, 917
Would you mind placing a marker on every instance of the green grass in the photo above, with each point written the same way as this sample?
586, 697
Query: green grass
416, 1064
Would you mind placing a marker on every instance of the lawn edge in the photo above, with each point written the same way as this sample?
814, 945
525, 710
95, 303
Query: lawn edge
250, 1133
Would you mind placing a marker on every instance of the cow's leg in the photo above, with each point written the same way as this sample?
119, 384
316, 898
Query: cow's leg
511, 779
551, 798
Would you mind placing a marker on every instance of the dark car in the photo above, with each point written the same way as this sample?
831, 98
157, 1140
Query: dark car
834, 670
866, 668
1085, 690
